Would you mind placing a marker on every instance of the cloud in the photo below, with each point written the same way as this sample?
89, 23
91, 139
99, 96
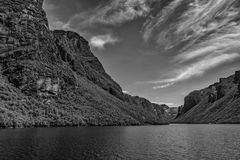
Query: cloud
108, 12
219, 43
196, 69
203, 35
120, 11
164, 85
111, 13
102, 40
161, 103
160, 19
182, 21
126, 92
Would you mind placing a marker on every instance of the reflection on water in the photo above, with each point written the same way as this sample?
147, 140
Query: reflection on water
170, 142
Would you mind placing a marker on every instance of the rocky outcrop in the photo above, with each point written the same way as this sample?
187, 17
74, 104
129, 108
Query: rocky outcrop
75, 51
218, 103
191, 100
51, 78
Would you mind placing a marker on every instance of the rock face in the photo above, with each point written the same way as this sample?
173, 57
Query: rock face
75, 52
218, 103
51, 78
191, 100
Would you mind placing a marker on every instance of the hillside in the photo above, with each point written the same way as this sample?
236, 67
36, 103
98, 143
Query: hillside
218, 103
51, 78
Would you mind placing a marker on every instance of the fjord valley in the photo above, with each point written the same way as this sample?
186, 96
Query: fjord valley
70, 67
51, 78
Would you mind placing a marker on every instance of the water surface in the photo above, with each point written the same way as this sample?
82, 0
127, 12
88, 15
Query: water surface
171, 142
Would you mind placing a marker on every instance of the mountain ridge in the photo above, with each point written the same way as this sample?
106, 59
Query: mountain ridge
218, 103
52, 78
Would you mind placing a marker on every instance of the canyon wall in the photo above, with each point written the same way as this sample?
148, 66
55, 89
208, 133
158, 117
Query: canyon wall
51, 78
218, 103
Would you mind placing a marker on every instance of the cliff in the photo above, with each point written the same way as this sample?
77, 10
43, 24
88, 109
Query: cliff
51, 78
218, 103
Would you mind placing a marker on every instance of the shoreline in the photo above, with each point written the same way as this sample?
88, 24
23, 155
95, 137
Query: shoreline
89, 125
205, 123
100, 126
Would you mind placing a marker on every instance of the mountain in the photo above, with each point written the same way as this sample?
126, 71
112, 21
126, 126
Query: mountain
51, 78
218, 103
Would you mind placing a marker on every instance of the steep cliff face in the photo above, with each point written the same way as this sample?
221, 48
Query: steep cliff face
218, 103
75, 51
51, 78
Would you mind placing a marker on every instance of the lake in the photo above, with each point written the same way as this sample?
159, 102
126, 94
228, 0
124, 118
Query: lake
170, 142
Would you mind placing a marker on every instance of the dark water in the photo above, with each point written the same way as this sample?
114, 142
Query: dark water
173, 142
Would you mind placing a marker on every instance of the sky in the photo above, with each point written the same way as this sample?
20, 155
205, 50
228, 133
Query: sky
157, 49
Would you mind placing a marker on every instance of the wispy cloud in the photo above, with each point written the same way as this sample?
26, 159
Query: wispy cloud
196, 69
119, 11
126, 92
205, 35
112, 13
167, 84
109, 12
102, 40
160, 19
189, 20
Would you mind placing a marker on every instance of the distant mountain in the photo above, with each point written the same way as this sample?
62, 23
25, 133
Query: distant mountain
51, 78
218, 103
